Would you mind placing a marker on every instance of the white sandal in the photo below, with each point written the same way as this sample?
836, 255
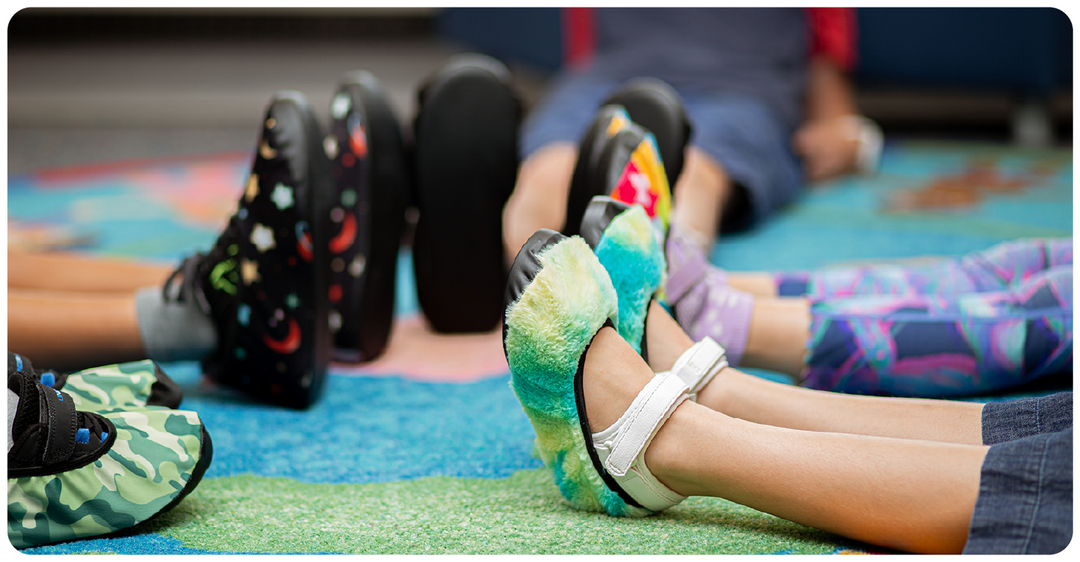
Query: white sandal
697, 366
558, 298
621, 447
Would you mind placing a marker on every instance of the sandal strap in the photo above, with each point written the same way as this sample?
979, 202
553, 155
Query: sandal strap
698, 365
62, 426
621, 447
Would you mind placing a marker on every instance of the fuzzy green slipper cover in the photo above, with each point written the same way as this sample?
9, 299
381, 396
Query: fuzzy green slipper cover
548, 328
631, 254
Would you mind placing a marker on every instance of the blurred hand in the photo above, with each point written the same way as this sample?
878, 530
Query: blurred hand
829, 147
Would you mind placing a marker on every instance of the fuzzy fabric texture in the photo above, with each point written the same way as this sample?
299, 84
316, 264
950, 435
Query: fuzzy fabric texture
548, 328
632, 255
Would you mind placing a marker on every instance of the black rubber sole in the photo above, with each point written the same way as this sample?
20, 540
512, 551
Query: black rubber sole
465, 164
657, 107
600, 162
373, 183
524, 269
164, 391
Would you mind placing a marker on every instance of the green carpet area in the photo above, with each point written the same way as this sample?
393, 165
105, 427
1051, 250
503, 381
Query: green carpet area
523, 514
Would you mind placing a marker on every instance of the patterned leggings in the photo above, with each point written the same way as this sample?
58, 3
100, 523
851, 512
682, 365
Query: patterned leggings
985, 322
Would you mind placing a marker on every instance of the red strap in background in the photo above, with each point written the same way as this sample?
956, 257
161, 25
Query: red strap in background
579, 36
832, 34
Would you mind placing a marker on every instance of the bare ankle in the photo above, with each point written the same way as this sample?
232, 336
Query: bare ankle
613, 375
665, 340
667, 454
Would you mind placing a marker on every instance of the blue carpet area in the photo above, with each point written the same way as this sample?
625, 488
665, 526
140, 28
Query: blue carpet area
367, 429
848, 221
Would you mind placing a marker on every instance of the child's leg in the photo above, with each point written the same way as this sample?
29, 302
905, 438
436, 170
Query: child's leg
539, 196
993, 269
758, 400
65, 332
943, 346
78, 273
906, 494
916, 496
68, 331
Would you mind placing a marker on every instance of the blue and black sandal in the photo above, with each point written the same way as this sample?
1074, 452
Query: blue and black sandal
75, 474
136, 384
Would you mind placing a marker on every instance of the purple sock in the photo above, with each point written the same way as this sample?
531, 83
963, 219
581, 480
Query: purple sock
703, 302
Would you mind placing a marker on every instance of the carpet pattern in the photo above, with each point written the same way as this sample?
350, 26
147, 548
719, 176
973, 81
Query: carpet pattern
426, 450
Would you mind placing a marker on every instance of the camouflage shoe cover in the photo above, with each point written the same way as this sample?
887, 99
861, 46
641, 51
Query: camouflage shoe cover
74, 475
136, 384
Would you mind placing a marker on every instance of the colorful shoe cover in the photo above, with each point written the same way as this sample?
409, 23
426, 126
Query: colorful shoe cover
627, 245
126, 385
558, 297
620, 159
266, 281
657, 107
75, 474
466, 163
371, 172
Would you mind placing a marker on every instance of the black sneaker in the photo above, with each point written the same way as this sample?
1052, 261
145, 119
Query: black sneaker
371, 171
466, 164
265, 281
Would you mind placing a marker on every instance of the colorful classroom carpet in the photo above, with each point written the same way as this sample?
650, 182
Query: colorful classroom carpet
426, 450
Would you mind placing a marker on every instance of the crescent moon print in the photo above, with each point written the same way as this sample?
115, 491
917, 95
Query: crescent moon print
344, 240
288, 345
304, 247
357, 140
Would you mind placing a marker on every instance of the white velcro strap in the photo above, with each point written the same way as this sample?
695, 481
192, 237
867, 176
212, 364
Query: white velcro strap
643, 418
699, 364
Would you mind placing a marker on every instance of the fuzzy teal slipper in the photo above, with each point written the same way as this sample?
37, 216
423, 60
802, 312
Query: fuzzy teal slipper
559, 297
627, 244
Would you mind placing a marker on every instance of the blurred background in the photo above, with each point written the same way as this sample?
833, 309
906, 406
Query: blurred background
98, 85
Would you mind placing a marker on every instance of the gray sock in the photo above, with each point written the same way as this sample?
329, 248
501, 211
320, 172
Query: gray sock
173, 331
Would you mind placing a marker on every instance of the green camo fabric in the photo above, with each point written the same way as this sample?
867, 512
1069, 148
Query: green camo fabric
122, 386
152, 459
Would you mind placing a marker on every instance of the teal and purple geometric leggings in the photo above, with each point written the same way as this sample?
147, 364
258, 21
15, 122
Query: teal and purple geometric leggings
985, 322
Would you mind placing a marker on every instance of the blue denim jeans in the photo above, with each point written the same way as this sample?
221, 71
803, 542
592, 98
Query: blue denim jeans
742, 134
1025, 489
